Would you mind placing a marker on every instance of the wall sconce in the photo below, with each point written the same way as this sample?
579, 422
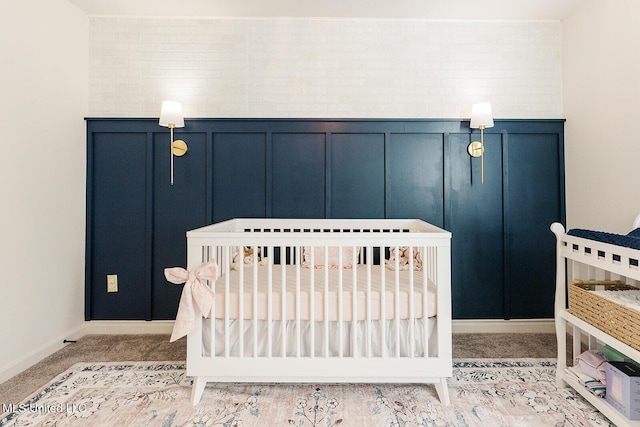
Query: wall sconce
481, 118
171, 117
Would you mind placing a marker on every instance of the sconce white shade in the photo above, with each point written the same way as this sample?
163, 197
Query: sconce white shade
481, 115
171, 114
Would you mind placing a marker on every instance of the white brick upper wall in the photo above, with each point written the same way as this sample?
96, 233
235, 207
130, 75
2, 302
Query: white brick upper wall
326, 68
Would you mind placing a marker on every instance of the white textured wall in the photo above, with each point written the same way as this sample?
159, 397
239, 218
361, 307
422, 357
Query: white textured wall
44, 77
602, 105
324, 67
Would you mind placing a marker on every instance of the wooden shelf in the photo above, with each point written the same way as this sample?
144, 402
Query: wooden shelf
599, 403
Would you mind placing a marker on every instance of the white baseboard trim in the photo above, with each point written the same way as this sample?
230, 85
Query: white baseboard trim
482, 326
94, 327
38, 354
540, 326
127, 327
110, 327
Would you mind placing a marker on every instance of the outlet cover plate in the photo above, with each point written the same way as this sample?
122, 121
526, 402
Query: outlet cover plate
112, 283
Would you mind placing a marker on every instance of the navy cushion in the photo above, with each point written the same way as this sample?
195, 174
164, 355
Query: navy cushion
631, 240
634, 233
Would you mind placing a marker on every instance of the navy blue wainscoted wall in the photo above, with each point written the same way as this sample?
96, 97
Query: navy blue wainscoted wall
502, 250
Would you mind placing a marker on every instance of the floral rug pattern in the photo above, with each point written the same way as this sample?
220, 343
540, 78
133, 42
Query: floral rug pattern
492, 393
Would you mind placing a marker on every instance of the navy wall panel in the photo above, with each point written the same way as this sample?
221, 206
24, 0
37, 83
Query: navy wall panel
475, 222
239, 175
175, 209
117, 226
502, 251
533, 200
357, 175
298, 178
415, 177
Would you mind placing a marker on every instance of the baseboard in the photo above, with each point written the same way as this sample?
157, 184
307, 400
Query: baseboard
38, 354
541, 326
127, 327
95, 327
110, 327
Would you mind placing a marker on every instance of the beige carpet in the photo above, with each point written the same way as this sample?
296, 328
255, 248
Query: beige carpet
113, 348
507, 392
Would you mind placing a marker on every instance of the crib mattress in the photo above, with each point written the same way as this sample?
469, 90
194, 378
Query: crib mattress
369, 305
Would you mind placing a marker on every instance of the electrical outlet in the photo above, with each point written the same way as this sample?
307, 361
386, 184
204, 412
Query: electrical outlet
112, 283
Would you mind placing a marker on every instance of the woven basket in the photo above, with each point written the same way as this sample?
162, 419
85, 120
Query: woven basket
614, 319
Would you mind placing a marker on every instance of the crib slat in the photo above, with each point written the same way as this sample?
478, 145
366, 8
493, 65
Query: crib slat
283, 301
369, 263
269, 301
312, 302
298, 302
397, 299
326, 301
212, 324
241, 332
426, 263
226, 310
412, 340
255, 303
354, 311
340, 307
383, 306
354, 314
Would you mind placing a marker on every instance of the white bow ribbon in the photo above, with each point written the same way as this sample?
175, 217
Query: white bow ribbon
195, 293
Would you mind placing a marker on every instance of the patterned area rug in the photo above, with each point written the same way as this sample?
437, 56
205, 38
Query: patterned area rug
483, 393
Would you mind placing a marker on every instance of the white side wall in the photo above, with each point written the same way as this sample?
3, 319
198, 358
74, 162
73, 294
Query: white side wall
324, 67
43, 45
601, 61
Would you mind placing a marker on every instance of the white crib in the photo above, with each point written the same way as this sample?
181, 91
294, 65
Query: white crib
361, 315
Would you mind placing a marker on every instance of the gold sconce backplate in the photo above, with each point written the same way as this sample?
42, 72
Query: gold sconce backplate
475, 149
179, 148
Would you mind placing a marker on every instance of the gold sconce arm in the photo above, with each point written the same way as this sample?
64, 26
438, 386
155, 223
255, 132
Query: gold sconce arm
476, 149
178, 148
481, 118
171, 117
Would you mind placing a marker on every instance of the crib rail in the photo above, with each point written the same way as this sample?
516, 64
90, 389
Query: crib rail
323, 300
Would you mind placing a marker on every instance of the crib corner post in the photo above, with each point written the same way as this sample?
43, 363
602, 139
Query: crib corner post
444, 301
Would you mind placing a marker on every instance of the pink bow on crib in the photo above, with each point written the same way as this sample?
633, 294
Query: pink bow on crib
195, 291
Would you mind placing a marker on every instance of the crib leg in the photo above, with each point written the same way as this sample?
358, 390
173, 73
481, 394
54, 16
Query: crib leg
197, 389
443, 391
